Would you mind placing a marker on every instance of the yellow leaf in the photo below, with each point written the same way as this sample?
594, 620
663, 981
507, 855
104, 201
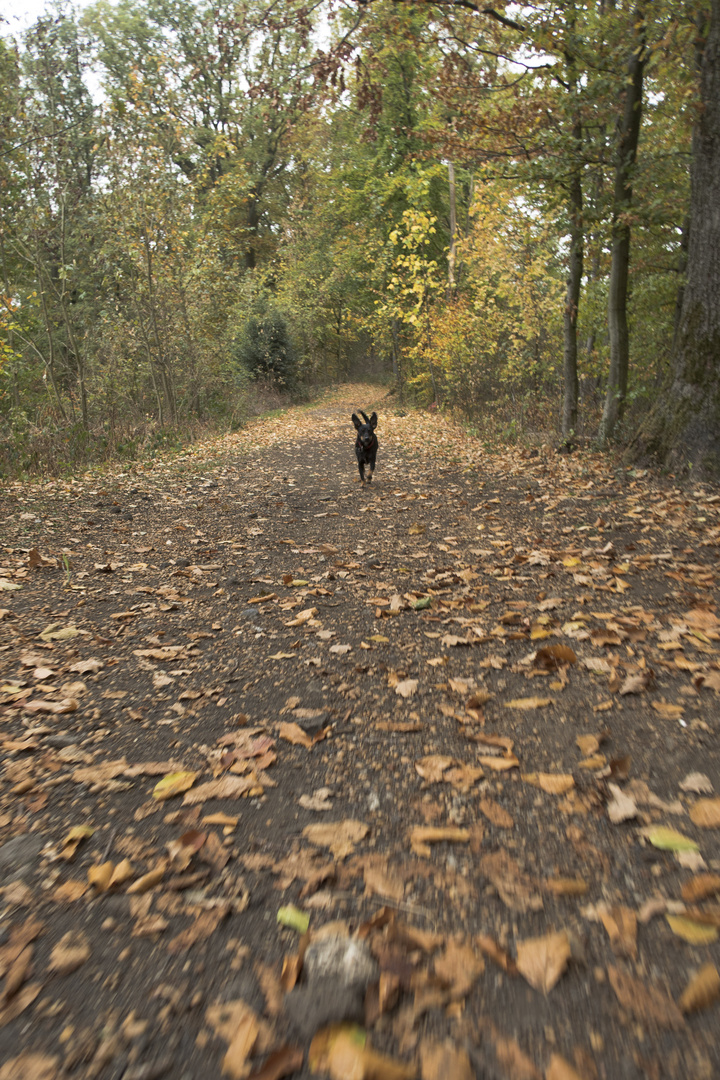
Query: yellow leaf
173, 784
691, 931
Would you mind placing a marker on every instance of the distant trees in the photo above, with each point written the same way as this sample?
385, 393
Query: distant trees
478, 205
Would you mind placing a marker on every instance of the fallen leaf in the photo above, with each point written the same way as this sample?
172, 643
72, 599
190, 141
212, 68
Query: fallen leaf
339, 836
669, 839
543, 960
444, 1061
551, 783
458, 967
293, 918
528, 703
496, 814
283, 1062
30, 1067
702, 990
700, 887
294, 734
235, 1063
621, 807
174, 783
649, 1005
423, 835
406, 688
621, 925
70, 953
551, 657
706, 813
560, 1069
694, 933
698, 783
227, 787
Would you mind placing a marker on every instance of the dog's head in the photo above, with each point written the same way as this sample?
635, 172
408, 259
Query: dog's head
366, 431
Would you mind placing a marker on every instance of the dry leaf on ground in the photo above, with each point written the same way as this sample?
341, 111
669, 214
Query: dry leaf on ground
458, 967
560, 1069
70, 953
621, 925
340, 836
706, 813
649, 1005
702, 990
542, 960
551, 783
444, 1061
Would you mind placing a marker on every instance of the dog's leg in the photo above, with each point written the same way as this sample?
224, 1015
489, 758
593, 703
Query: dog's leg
372, 470
361, 467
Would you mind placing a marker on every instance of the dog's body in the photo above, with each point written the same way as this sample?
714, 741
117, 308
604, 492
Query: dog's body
366, 444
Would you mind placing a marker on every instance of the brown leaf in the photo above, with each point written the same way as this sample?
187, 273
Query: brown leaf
444, 1061
70, 953
283, 1062
423, 835
18, 972
380, 882
235, 1063
528, 703
499, 956
621, 925
205, 924
226, 787
700, 887
432, 767
543, 960
649, 1005
551, 783
702, 990
516, 890
458, 967
706, 813
339, 836
406, 688
514, 1064
19, 1003
560, 1069
30, 1067
496, 814
635, 684
621, 807
294, 734
551, 657
271, 987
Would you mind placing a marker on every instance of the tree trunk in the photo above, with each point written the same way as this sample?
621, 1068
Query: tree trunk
453, 230
572, 298
628, 136
683, 429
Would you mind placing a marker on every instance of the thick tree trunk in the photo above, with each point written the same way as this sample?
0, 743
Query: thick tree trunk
572, 298
684, 427
627, 143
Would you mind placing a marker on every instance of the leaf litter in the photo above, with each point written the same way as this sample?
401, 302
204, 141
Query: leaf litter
483, 652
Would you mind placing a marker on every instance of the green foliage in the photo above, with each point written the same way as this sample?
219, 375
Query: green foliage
265, 349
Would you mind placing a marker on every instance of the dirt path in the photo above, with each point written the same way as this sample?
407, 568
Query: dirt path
449, 714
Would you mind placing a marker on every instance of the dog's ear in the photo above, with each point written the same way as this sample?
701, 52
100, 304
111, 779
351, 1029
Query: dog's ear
373, 420
364, 416
356, 422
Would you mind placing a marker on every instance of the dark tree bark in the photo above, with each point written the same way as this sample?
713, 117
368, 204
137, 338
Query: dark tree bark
628, 136
572, 298
683, 429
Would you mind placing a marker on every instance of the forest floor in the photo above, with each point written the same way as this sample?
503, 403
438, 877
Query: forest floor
303, 778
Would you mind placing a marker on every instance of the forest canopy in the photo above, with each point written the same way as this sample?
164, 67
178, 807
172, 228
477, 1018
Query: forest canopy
488, 207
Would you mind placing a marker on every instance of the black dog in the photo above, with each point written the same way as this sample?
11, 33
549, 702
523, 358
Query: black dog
366, 444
